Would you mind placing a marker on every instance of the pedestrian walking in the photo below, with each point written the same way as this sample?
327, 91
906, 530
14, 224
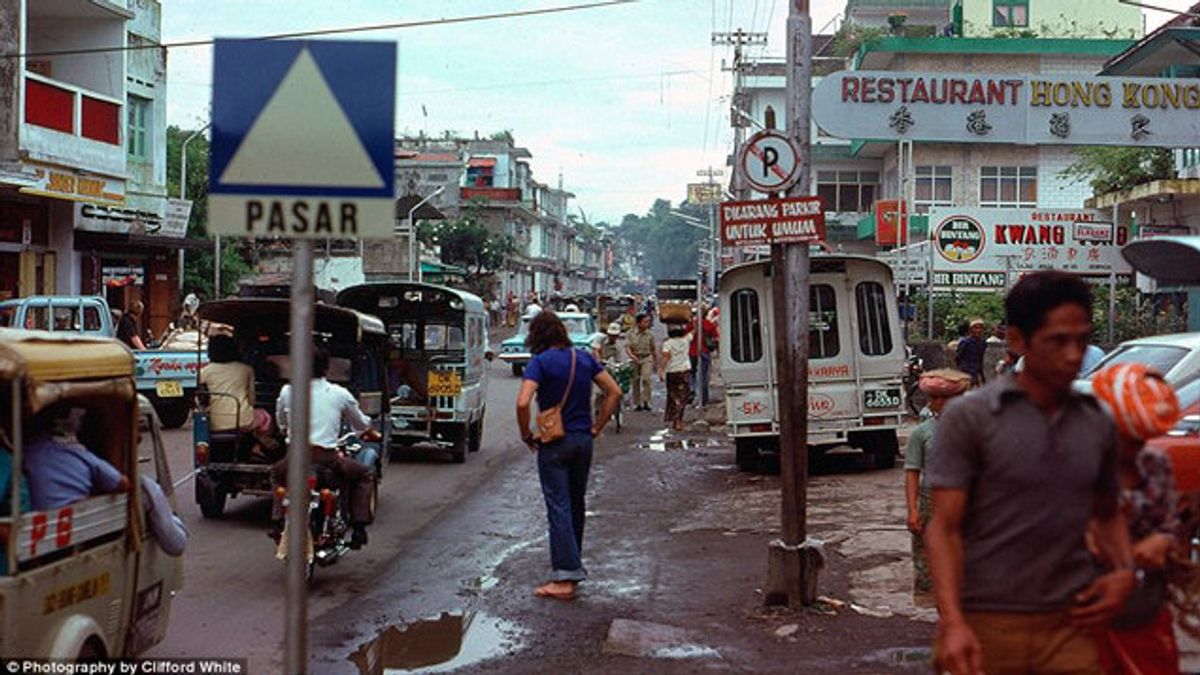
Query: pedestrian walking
643, 353
561, 377
970, 352
1018, 470
675, 370
701, 348
941, 386
1141, 639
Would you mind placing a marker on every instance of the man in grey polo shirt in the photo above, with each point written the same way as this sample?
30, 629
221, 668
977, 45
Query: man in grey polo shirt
1018, 469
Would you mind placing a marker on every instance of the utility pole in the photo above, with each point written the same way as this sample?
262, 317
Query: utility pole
714, 243
794, 559
738, 107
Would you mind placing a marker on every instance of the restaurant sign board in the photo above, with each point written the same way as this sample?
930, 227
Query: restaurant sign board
1021, 109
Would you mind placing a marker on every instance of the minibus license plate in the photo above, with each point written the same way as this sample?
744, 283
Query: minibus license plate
444, 383
168, 389
881, 399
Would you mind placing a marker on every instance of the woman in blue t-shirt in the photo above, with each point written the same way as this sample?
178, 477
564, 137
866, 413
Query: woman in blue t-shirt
563, 464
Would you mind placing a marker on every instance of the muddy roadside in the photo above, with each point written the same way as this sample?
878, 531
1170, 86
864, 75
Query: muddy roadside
676, 549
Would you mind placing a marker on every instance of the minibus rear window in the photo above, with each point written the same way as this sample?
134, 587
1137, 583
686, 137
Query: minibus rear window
745, 343
874, 331
822, 323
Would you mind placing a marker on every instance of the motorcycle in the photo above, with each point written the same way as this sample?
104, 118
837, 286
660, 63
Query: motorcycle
917, 399
329, 529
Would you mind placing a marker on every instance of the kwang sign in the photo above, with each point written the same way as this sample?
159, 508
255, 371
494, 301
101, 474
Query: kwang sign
980, 247
1022, 109
773, 221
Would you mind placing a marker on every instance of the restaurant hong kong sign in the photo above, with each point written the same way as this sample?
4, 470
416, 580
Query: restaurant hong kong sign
1022, 109
772, 221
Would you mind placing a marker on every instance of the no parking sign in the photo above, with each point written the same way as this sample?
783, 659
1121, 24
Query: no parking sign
769, 162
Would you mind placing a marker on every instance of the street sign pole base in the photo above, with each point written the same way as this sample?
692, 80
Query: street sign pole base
792, 573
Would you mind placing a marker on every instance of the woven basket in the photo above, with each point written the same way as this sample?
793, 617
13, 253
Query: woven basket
1184, 573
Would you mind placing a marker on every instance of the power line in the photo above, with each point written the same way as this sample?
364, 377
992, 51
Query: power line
331, 31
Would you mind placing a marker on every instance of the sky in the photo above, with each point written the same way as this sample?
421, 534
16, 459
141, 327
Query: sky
626, 102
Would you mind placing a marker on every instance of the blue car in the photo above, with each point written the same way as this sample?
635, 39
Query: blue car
581, 327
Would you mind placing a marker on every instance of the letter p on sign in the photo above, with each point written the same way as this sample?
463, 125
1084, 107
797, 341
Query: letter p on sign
769, 162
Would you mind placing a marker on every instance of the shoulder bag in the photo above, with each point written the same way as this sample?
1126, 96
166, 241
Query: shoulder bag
550, 422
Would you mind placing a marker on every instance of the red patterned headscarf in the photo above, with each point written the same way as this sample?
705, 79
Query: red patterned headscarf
1141, 402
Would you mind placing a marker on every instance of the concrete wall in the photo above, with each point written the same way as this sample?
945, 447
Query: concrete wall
103, 73
146, 77
1061, 18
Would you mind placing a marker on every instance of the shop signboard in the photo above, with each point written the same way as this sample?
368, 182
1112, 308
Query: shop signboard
1007, 108
987, 247
704, 193
59, 183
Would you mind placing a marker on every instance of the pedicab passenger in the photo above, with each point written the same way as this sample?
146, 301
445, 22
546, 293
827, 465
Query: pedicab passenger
59, 468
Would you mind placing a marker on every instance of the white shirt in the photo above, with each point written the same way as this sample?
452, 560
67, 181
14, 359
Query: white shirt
330, 405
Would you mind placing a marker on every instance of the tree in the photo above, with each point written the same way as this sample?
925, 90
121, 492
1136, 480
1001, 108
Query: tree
198, 265
666, 242
1120, 168
467, 243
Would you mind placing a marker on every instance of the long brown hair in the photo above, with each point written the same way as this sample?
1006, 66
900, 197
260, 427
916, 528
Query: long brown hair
546, 331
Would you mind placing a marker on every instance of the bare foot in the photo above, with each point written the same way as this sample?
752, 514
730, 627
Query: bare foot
559, 590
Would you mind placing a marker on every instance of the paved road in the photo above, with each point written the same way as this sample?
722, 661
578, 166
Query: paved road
232, 600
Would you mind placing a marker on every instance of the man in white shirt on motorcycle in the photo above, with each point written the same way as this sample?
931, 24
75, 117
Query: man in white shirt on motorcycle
329, 407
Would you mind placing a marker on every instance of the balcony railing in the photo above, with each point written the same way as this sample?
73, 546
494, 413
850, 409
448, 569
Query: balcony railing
492, 194
71, 110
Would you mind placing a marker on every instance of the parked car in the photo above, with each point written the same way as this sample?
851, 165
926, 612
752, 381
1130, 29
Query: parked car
856, 358
1176, 356
163, 375
580, 326
1182, 444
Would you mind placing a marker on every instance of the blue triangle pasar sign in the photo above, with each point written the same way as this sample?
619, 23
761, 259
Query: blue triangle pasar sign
361, 76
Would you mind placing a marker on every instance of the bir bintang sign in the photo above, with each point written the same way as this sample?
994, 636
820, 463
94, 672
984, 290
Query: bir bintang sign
1021, 109
773, 221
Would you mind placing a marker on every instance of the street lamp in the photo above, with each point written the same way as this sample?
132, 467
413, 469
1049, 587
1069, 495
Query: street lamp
414, 267
183, 195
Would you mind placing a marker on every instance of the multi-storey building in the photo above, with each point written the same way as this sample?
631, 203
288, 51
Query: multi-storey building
83, 203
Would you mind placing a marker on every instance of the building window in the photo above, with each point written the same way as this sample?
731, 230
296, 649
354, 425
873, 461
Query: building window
745, 345
875, 331
139, 128
848, 191
935, 187
822, 323
1008, 186
1010, 13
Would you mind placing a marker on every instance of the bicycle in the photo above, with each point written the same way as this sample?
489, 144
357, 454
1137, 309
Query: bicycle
623, 374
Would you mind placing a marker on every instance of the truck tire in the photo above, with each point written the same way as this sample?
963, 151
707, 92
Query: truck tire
458, 453
173, 413
518, 370
746, 454
210, 496
882, 446
475, 436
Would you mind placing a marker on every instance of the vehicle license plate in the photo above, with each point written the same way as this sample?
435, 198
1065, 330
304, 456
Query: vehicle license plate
444, 383
168, 389
879, 399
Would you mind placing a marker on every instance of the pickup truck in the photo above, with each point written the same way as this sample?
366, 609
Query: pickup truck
166, 377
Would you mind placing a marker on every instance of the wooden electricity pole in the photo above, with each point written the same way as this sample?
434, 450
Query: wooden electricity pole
793, 559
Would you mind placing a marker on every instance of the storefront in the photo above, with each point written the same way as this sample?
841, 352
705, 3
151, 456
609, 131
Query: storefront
129, 254
33, 233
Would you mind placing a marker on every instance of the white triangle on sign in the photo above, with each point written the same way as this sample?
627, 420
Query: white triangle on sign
302, 138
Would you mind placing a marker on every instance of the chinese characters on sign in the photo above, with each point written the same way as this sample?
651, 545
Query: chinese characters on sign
1024, 109
980, 247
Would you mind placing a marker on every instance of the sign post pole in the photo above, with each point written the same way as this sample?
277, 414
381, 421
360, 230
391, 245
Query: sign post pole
295, 638
793, 560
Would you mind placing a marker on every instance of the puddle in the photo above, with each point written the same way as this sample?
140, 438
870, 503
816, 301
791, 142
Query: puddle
665, 445
451, 641
686, 652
